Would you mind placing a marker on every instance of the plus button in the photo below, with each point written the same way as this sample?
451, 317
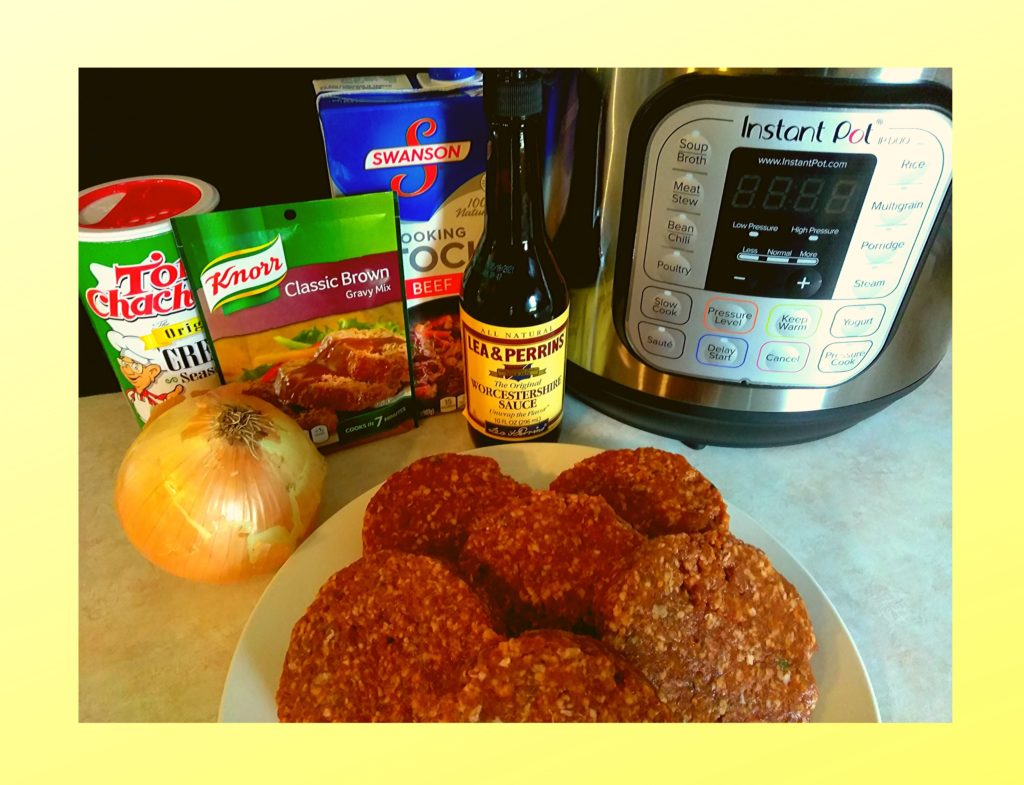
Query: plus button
803, 283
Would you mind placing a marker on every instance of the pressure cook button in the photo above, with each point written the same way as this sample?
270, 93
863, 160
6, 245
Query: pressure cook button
666, 305
687, 193
680, 231
793, 321
780, 357
662, 341
805, 283
722, 351
854, 321
730, 316
671, 267
839, 357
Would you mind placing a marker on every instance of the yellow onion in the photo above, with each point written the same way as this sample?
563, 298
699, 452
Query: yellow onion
219, 487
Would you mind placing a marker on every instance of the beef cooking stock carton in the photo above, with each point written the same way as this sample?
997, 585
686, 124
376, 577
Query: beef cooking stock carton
303, 303
424, 138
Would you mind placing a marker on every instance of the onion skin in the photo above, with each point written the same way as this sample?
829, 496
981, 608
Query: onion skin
219, 487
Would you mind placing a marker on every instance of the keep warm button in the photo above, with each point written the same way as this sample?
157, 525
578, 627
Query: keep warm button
839, 357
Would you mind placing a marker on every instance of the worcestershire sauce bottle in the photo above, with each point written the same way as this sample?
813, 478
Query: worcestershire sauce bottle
515, 303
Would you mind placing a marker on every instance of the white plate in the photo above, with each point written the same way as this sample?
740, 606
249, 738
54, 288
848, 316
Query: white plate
845, 691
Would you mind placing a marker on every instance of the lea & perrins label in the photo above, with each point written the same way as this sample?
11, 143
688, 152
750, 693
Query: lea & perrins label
515, 377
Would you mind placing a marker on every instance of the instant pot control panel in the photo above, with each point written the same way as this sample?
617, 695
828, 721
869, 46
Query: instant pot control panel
775, 243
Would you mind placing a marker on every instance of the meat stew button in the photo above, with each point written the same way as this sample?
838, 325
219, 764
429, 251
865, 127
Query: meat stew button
839, 357
662, 341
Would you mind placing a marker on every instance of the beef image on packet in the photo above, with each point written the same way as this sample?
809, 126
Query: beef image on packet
303, 303
423, 135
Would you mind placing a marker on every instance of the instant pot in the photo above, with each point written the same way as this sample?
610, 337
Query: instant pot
755, 257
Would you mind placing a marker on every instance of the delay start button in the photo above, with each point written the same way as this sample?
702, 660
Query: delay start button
722, 351
839, 357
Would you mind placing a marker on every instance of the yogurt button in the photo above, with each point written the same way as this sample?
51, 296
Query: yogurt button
662, 341
780, 357
722, 351
857, 320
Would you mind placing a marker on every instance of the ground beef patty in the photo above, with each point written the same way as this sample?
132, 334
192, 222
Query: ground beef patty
657, 492
720, 634
385, 634
427, 506
538, 560
551, 676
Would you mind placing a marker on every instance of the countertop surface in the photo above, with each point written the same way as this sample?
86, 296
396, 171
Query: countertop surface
868, 512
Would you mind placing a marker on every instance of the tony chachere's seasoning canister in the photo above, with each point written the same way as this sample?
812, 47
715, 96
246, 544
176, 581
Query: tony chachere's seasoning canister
135, 290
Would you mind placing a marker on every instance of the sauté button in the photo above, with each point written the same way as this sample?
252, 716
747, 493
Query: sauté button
722, 351
804, 283
666, 305
662, 341
857, 320
839, 357
780, 357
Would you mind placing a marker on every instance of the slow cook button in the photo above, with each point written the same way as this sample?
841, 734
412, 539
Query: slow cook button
839, 357
854, 321
780, 357
662, 341
666, 305
730, 316
793, 321
719, 350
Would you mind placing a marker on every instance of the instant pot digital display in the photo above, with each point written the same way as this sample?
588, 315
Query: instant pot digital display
786, 221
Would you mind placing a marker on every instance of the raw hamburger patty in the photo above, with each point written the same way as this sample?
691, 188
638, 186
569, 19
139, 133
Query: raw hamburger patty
720, 634
427, 506
384, 634
551, 676
539, 559
657, 492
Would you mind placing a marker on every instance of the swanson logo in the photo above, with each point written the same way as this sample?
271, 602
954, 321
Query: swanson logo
416, 152
242, 279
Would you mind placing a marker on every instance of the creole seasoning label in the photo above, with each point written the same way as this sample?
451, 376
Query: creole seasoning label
515, 377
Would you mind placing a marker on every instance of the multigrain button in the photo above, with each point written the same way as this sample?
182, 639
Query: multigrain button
722, 351
781, 357
854, 321
730, 316
839, 357
662, 341
671, 267
793, 321
666, 305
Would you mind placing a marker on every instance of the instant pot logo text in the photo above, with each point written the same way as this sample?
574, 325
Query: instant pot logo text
415, 152
842, 132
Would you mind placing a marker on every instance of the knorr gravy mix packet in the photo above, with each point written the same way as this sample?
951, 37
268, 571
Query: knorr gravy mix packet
303, 303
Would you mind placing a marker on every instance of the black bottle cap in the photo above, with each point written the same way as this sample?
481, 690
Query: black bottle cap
511, 93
